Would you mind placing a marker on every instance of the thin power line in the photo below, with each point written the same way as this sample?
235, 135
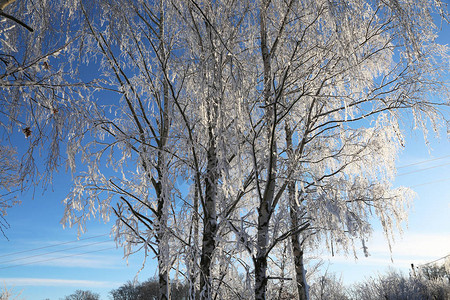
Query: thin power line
54, 245
424, 161
432, 262
56, 258
51, 252
430, 182
416, 171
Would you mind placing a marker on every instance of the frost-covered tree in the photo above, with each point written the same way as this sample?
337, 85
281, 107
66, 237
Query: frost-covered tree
129, 154
280, 120
333, 81
395, 285
51, 101
210, 118
328, 287
34, 96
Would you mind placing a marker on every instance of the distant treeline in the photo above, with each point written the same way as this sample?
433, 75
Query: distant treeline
430, 282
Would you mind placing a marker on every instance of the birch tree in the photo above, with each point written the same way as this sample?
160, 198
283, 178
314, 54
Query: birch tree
128, 155
336, 77
211, 128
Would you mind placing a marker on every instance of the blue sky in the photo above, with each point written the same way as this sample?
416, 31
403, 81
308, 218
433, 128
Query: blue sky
36, 224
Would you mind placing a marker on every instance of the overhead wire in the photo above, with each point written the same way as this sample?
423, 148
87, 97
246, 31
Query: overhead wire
424, 169
436, 260
422, 162
52, 252
431, 182
53, 245
56, 258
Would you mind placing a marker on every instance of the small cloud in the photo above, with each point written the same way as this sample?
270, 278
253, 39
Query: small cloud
92, 262
57, 282
413, 246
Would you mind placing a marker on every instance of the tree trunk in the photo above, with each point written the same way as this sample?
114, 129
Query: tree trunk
300, 272
214, 99
194, 246
209, 221
163, 279
161, 229
297, 251
261, 257
266, 201
162, 210
161, 239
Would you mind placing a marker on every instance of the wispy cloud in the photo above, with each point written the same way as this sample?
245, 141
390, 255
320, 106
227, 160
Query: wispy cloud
109, 260
56, 282
414, 248
90, 262
417, 246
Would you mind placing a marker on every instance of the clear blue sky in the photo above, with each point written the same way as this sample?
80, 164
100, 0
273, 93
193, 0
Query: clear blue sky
36, 224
